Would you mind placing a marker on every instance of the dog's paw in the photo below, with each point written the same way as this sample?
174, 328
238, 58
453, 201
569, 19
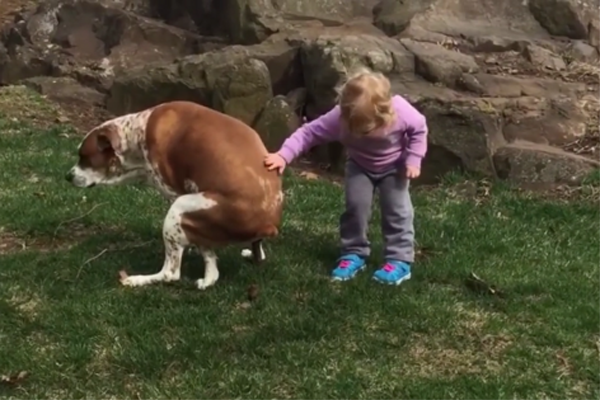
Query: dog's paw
247, 253
204, 284
135, 280
123, 276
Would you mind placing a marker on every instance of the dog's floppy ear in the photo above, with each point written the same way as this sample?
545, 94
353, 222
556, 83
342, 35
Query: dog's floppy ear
108, 138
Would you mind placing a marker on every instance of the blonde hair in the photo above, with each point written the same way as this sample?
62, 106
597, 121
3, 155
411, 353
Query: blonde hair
365, 101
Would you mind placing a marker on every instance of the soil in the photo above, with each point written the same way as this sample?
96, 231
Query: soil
9, 7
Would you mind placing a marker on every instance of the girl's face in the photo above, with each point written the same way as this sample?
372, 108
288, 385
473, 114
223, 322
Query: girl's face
361, 125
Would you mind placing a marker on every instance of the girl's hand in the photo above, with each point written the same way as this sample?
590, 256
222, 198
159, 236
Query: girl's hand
275, 161
412, 172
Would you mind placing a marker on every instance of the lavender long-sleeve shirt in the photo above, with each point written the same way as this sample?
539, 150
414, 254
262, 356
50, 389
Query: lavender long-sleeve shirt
405, 142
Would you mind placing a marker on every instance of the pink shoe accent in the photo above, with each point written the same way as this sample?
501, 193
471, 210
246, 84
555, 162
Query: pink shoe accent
344, 264
389, 268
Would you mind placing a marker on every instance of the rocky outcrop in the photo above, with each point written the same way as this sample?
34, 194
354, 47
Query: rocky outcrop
502, 96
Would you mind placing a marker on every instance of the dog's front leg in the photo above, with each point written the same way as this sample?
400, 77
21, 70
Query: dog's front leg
175, 242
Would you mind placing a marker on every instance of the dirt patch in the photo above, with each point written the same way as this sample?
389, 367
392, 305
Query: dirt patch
12, 242
9, 7
21, 104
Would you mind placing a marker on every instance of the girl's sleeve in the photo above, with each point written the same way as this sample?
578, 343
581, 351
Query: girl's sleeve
322, 130
416, 132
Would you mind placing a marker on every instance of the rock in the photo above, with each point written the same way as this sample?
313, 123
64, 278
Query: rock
64, 90
437, 64
510, 86
297, 100
276, 122
89, 35
141, 7
239, 89
583, 52
394, 16
148, 86
419, 34
525, 162
462, 131
252, 21
328, 60
555, 122
496, 44
568, 18
543, 58
283, 62
21, 62
229, 81
594, 33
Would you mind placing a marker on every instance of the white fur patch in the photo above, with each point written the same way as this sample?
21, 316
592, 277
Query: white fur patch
86, 177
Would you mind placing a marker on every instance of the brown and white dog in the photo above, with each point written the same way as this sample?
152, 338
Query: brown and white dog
207, 164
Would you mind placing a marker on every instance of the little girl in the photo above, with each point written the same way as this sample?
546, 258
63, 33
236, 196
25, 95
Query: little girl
385, 139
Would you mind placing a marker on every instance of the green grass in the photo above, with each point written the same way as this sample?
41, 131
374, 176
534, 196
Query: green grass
66, 320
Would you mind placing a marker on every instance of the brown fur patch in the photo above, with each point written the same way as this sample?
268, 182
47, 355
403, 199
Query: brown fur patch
224, 158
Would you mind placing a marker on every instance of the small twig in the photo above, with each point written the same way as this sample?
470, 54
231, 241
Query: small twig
91, 210
97, 256
133, 246
89, 260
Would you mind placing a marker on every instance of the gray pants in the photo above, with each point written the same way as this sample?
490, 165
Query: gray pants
396, 213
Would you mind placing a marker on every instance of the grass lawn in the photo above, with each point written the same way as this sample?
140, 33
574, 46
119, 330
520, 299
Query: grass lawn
65, 319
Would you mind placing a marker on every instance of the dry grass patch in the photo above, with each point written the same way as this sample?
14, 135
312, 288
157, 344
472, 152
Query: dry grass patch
464, 348
20, 104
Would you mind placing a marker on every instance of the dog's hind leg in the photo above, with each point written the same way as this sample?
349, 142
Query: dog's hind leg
175, 241
211, 272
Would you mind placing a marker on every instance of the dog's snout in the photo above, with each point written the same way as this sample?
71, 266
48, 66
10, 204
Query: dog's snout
69, 176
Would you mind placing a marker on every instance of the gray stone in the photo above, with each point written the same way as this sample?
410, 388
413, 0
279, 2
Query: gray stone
525, 162
276, 122
437, 64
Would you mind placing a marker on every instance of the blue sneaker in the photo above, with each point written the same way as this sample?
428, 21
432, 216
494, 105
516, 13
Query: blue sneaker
393, 272
348, 266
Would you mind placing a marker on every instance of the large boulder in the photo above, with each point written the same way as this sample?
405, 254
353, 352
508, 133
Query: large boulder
329, 59
230, 81
276, 122
464, 130
535, 163
394, 16
438, 64
570, 18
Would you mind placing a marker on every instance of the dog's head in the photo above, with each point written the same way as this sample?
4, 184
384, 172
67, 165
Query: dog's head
100, 158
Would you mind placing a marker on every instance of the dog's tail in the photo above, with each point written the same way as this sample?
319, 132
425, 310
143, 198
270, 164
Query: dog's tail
268, 232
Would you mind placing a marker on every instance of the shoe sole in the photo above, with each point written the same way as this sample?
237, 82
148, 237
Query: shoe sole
393, 283
340, 279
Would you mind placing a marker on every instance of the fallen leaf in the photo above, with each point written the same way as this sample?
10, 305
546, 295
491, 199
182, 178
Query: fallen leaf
309, 175
245, 305
476, 284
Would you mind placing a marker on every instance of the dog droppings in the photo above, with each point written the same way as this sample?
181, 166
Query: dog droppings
252, 292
